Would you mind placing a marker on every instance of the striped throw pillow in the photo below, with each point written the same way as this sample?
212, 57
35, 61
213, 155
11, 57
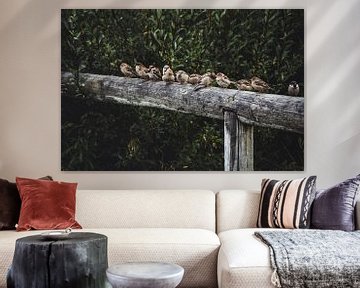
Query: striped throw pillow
286, 204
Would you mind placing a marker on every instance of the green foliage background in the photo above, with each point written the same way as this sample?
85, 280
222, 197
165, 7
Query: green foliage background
240, 43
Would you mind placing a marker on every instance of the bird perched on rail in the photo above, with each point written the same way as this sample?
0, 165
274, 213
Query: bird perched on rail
182, 77
154, 73
259, 85
194, 79
127, 70
168, 74
222, 80
205, 80
142, 71
293, 89
244, 84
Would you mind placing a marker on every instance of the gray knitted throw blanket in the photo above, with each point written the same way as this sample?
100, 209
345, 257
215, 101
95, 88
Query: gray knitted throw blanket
313, 258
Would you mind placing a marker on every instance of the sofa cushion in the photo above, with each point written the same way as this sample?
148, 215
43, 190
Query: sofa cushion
286, 204
46, 204
236, 209
194, 249
146, 209
244, 260
334, 208
10, 204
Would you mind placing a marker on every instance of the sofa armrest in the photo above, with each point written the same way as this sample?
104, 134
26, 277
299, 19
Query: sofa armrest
357, 215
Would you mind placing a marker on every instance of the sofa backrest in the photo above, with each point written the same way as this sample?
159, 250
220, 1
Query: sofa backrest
239, 209
236, 209
146, 209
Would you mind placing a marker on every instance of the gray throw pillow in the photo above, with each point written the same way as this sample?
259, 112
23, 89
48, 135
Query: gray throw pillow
334, 208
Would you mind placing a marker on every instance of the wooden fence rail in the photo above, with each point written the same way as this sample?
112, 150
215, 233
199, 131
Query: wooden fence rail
240, 110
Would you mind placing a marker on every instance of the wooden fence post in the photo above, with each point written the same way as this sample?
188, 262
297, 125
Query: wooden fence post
231, 141
246, 147
238, 144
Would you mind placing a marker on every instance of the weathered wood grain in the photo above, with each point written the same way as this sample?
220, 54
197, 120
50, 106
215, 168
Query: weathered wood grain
246, 147
79, 261
231, 141
238, 144
268, 110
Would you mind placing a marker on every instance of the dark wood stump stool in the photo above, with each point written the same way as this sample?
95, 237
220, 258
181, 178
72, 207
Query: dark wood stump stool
78, 261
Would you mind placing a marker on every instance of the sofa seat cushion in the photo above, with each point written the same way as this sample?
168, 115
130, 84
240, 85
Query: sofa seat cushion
244, 261
196, 250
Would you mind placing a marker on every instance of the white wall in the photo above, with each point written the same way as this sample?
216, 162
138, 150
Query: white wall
30, 94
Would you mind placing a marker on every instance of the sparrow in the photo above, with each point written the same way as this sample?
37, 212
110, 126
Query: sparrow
293, 89
211, 74
127, 70
154, 73
194, 78
142, 71
205, 80
168, 74
244, 84
222, 80
182, 77
259, 85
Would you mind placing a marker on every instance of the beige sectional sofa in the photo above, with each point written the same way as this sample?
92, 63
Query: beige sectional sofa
177, 226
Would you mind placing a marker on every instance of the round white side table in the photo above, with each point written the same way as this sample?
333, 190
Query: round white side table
145, 275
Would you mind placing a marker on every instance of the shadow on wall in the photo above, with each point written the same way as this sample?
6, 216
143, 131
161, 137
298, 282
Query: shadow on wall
336, 37
338, 79
35, 15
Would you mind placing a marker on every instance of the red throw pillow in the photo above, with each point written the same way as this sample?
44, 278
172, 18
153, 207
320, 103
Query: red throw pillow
46, 204
10, 204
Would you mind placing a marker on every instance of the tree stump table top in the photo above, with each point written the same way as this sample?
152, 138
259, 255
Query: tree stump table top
145, 275
80, 260
73, 237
